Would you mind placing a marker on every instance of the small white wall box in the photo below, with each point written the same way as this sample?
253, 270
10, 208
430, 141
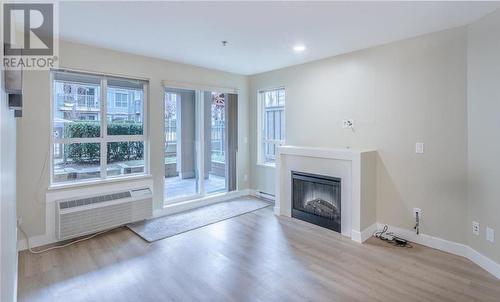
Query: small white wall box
475, 228
419, 148
490, 234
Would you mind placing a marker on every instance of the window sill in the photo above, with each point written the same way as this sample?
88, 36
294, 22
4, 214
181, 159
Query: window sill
266, 165
96, 182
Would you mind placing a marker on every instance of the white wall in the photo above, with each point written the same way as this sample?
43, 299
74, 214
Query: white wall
398, 94
34, 128
484, 128
8, 220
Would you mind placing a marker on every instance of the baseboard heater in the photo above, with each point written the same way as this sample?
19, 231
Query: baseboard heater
265, 195
91, 214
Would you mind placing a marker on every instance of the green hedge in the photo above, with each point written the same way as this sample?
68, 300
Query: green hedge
82, 153
90, 152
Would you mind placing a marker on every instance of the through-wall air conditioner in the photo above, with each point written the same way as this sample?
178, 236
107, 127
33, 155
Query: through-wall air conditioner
83, 216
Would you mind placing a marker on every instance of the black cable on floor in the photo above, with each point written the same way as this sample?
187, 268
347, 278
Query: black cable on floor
390, 237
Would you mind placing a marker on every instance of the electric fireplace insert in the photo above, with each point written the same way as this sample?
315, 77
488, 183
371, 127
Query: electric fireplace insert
316, 199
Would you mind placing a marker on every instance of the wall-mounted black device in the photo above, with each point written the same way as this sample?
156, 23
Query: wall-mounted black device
15, 101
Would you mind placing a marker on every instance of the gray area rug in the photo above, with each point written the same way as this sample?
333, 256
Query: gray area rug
167, 226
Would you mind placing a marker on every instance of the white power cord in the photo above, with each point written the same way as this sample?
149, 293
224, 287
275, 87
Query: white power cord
59, 246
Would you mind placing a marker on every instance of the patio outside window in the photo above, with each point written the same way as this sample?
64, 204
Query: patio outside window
98, 127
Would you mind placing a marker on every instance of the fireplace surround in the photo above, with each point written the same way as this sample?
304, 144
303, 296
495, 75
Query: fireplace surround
317, 199
355, 168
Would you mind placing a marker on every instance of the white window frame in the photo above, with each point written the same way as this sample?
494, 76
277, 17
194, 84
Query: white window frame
261, 127
104, 138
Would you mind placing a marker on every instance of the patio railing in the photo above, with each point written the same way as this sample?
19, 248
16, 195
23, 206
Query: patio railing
218, 139
80, 101
170, 132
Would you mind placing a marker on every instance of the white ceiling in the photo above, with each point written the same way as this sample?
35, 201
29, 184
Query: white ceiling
261, 35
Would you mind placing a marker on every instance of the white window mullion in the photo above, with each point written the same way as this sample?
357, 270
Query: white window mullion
104, 127
201, 144
145, 127
77, 140
123, 138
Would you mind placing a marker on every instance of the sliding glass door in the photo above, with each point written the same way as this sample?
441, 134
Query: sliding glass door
181, 168
200, 143
214, 118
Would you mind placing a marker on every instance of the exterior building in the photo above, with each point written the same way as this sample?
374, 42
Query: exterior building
82, 102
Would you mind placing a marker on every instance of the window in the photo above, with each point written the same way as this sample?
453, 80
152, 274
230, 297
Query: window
98, 127
121, 100
271, 124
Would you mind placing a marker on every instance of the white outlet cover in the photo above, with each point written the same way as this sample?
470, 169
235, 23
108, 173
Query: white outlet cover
419, 148
490, 234
475, 228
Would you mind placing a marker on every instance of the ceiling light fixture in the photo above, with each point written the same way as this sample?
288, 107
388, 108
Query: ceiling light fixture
299, 48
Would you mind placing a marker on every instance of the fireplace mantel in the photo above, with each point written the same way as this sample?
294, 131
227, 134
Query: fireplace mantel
355, 167
334, 153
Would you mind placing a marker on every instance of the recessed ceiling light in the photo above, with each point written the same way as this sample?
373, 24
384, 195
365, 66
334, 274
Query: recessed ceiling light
299, 48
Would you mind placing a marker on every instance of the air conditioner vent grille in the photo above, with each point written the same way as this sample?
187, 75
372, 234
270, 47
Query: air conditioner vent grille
92, 200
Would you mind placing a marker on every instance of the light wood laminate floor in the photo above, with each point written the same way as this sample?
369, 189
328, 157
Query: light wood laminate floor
253, 257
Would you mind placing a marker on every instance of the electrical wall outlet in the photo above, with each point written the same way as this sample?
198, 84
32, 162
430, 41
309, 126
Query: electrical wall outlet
417, 210
475, 228
490, 234
245, 177
419, 148
349, 124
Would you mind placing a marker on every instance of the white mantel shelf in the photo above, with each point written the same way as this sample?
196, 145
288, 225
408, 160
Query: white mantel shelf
355, 167
333, 153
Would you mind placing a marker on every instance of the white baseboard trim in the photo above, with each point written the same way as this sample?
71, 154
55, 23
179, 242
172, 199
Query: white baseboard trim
486, 263
35, 241
365, 234
447, 246
48, 238
276, 210
429, 241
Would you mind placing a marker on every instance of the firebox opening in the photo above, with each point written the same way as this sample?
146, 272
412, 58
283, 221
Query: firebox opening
316, 199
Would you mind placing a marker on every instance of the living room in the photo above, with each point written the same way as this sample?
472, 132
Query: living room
249, 151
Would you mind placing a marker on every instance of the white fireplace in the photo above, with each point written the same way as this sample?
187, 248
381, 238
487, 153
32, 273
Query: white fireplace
354, 168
